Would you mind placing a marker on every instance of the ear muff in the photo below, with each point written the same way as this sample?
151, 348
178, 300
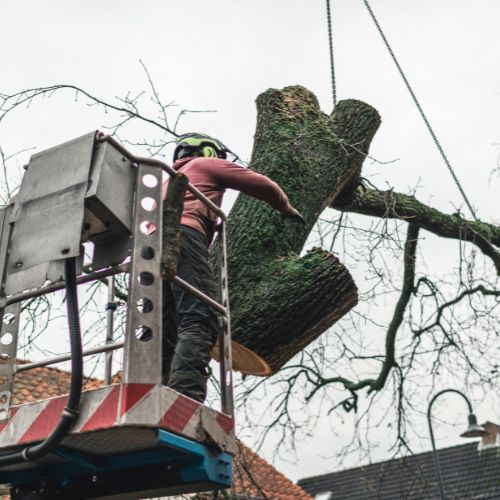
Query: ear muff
209, 152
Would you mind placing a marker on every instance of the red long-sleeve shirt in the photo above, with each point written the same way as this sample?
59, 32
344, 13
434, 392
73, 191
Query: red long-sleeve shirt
212, 176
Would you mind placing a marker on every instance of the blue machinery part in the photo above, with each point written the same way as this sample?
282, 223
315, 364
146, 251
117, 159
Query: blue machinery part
177, 466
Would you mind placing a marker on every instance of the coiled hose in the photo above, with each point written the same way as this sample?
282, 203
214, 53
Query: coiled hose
71, 412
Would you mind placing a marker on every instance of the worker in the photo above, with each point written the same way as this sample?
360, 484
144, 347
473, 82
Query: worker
189, 325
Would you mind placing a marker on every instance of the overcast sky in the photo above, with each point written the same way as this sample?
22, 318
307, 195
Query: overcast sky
220, 54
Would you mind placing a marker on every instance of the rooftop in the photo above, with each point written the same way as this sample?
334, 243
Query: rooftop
468, 472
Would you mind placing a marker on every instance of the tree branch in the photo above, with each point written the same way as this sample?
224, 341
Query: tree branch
443, 307
392, 205
11, 101
390, 340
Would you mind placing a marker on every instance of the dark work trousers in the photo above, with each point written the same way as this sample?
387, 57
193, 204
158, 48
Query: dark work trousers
190, 327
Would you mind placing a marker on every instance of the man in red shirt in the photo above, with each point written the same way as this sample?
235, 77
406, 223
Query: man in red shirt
190, 326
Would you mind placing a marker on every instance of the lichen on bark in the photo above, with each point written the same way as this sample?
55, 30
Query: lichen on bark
281, 302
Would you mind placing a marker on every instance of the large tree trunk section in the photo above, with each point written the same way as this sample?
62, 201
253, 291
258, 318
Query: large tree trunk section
281, 302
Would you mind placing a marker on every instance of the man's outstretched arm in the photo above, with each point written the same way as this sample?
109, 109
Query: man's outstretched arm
232, 176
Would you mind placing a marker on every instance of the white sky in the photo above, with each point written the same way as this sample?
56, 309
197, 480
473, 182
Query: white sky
220, 54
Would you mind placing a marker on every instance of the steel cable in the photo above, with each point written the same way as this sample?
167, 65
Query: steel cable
421, 111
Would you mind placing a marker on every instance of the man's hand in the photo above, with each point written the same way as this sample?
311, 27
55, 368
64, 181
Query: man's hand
295, 215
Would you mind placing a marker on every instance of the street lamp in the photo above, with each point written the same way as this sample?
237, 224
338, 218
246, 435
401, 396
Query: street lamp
473, 430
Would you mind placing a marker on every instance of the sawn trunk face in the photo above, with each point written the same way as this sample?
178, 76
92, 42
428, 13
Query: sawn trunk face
281, 302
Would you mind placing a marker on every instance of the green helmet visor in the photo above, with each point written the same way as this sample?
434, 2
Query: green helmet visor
206, 145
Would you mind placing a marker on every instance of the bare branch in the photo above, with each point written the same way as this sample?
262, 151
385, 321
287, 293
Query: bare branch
8, 102
390, 342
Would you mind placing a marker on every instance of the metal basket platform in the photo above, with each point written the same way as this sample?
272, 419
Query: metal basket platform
136, 439
128, 436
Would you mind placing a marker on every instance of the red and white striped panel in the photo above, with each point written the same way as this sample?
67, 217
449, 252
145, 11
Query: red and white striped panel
121, 405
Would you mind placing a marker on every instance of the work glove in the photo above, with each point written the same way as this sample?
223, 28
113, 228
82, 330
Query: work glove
295, 215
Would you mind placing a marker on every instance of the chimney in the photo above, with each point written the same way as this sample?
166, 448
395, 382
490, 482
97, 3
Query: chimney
492, 439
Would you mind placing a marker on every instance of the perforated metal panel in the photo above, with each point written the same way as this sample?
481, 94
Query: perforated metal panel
8, 348
142, 359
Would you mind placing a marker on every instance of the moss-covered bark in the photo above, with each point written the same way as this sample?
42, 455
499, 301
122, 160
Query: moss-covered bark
172, 211
281, 302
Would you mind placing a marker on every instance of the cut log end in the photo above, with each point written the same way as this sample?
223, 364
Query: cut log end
245, 360
298, 299
266, 363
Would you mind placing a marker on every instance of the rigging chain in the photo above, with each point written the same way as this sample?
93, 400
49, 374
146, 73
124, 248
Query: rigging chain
330, 45
422, 114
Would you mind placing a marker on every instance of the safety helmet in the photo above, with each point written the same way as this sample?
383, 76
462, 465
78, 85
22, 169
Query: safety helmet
200, 143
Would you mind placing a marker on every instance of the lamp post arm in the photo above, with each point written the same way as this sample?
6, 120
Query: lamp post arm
456, 391
437, 467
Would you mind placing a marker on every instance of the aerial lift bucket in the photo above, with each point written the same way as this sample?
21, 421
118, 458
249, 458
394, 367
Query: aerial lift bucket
137, 438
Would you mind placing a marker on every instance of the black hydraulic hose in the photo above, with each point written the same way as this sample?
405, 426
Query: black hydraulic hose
70, 413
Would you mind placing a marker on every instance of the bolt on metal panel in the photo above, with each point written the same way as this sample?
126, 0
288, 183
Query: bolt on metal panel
37, 276
26, 280
143, 342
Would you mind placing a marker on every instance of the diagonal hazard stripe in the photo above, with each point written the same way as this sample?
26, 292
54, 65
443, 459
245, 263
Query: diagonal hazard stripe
179, 414
4, 424
132, 394
226, 423
45, 422
105, 414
